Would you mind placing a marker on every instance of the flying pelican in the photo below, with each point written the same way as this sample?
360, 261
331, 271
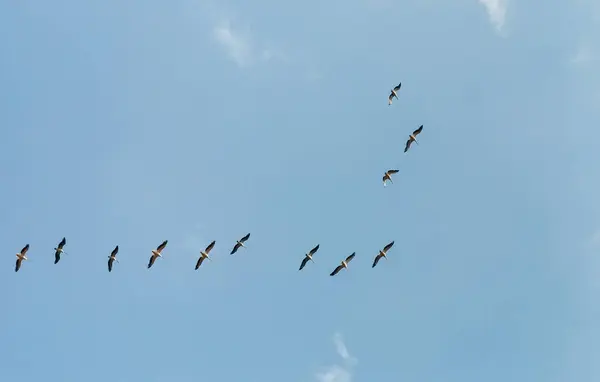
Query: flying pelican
113, 257
394, 93
388, 176
21, 256
59, 250
309, 256
413, 138
343, 265
156, 253
382, 253
204, 254
240, 243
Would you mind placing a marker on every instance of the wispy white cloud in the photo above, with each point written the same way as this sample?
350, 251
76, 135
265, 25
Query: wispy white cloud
240, 46
338, 373
584, 55
496, 10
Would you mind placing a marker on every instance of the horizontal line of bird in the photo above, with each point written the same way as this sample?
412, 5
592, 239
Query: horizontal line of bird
203, 254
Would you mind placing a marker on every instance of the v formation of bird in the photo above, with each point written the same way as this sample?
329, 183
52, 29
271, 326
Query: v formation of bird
59, 250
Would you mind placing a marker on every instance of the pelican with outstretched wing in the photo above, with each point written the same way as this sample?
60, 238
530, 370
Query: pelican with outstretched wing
157, 253
309, 256
204, 254
58, 250
394, 93
413, 138
382, 253
113, 257
21, 256
343, 265
240, 243
388, 176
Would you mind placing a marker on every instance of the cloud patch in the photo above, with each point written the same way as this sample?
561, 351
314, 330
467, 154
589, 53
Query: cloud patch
496, 10
240, 47
336, 372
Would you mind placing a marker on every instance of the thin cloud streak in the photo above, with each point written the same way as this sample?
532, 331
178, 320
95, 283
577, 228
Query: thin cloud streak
338, 373
496, 10
235, 44
240, 47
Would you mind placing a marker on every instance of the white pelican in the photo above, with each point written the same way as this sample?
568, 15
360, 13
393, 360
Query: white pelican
204, 254
388, 176
413, 138
394, 93
382, 253
309, 256
112, 258
240, 243
343, 265
59, 250
21, 256
157, 253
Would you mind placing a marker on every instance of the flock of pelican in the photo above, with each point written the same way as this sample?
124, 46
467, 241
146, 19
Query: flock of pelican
22, 255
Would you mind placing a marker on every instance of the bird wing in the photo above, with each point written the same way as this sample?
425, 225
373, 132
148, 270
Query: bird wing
418, 131
162, 246
235, 248
376, 260
336, 270
407, 145
392, 171
115, 251
62, 243
349, 258
152, 259
390, 98
210, 246
315, 249
243, 239
387, 247
18, 264
110, 262
385, 177
56, 257
199, 262
25, 249
398, 87
304, 261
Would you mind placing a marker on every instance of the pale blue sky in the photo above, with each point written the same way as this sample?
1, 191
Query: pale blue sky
132, 122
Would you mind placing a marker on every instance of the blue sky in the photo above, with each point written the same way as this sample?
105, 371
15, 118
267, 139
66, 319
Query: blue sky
134, 122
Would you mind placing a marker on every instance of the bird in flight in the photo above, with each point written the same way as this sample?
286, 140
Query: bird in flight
204, 254
239, 243
394, 93
343, 265
113, 257
382, 253
388, 176
413, 138
309, 256
157, 253
21, 256
59, 250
